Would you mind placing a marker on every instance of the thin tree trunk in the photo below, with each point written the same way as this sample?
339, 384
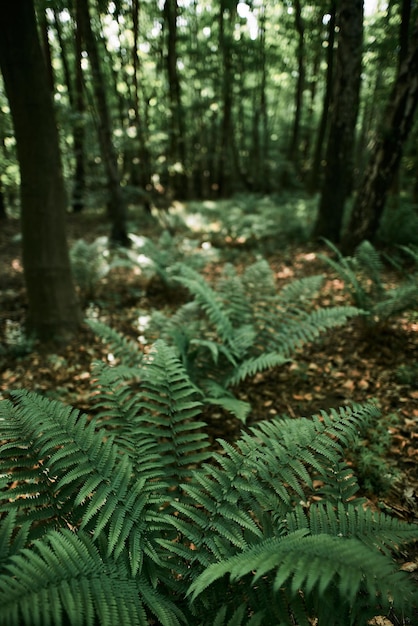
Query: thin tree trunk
387, 153
143, 176
3, 214
314, 182
340, 148
79, 183
116, 204
225, 147
300, 84
44, 27
53, 310
177, 145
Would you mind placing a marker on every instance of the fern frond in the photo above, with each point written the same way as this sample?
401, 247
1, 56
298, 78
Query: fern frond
305, 328
252, 366
124, 349
371, 264
170, 412
90, 479
64, 577
315, 564
297, 291
397, 300
375, 529
208, 300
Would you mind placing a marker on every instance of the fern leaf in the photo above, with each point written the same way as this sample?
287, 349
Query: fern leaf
64, 577
252, 366
309, 563
125, 350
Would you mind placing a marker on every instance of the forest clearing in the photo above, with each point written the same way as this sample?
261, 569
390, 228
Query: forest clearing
209, 313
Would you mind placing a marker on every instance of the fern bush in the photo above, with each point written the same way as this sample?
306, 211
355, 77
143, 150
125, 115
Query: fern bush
238, 327
128, 517
362, 277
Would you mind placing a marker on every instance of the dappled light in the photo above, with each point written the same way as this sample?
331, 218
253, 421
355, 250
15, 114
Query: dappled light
208, 313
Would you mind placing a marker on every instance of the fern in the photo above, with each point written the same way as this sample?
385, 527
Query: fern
243, 326
362, 276
123, 349
321, 565
95, 533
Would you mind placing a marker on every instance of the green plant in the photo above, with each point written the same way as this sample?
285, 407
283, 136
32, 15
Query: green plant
376, 475
399, 224
241, 326
129, 518
362, 276
407, 374
158, 258
89, 264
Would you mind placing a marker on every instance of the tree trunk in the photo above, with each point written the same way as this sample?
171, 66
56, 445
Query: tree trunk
315, 175
140, 172
79, 183
46, 48
226, 132
53, 310
116, 205
386, 154
177, 146
300, 84
340, 148
3, 214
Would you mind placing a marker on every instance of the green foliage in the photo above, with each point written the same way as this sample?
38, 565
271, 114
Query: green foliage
232, 331
242, 326
127, 518
158, 258
362, 276
374, 471
254, 222
407, 374
89, 264
399, 224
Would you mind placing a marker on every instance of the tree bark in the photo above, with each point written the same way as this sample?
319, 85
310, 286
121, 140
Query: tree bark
315, 174
177, 145
53, 309
340, 148
300, 84
225, 156
386, 154
3, 214
116, 204
79, 182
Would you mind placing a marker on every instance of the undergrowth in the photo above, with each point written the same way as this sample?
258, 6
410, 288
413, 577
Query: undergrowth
362, 275
128, 517
230, 331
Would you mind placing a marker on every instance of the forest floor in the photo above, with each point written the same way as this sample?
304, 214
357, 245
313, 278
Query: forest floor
354, 363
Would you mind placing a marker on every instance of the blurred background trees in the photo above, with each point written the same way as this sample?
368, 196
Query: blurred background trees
205, 99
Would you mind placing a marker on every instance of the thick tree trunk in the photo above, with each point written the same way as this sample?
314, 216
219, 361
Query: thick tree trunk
340, 148
387, 152
53, 310
116, 205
